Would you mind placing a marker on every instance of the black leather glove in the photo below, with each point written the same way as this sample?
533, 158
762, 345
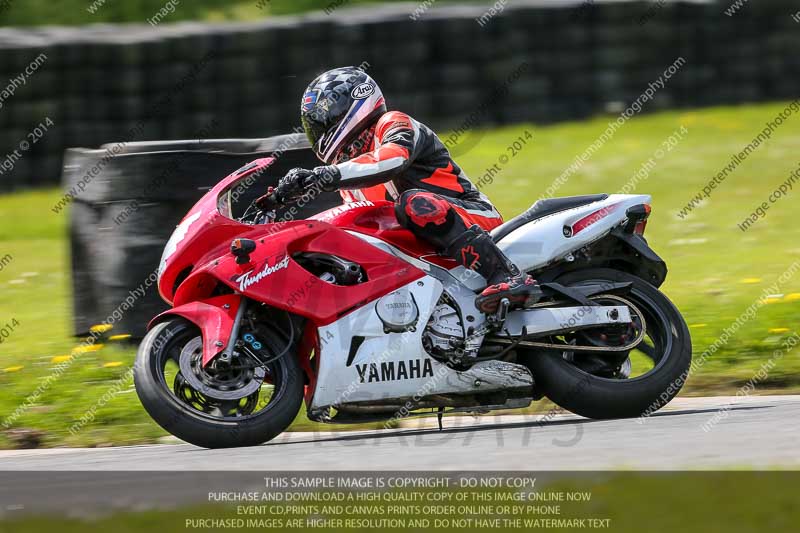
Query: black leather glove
300, 181
295, 182
328, 178
291, 185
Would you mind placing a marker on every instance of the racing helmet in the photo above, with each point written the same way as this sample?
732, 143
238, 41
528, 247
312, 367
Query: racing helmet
337, 108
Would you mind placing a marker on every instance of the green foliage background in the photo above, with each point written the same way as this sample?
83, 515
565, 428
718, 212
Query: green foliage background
74, 12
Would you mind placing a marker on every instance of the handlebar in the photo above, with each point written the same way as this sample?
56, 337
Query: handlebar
271, 201
274, 198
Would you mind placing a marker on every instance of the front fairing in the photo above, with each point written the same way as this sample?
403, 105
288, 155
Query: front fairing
208, 225
274, 277
197, 260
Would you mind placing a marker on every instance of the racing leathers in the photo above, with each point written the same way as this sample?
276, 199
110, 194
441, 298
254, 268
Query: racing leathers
402, 160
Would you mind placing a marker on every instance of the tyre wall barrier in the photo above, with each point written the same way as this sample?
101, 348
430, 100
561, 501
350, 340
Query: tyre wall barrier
122, 220
535, 60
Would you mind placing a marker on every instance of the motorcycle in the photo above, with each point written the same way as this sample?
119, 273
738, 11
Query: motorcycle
349, 312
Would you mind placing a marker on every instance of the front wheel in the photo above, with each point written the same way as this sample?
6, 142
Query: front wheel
622, 384
222, 405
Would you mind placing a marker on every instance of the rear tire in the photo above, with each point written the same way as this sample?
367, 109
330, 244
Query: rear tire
199, 428
598, 397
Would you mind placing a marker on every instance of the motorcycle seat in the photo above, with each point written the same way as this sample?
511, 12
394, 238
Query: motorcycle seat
542, 208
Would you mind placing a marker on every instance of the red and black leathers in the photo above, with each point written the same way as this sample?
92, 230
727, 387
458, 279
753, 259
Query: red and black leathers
400, 155
402, 160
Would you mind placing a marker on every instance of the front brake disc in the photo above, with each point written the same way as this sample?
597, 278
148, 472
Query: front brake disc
205, 383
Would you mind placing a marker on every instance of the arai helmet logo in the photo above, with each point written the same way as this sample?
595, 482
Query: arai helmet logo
362, 91
248, 280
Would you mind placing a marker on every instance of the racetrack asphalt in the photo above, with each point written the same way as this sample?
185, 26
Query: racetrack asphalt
690, 433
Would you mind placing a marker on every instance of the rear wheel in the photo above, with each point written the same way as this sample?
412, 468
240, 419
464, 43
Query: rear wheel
240, 403
625, 384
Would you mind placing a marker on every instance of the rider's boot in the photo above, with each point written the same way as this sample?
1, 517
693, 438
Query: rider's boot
476, 250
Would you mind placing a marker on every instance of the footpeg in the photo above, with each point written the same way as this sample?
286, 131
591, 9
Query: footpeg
502, 310
499, 317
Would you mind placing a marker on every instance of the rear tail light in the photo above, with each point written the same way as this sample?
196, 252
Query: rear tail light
590, 219
637, 218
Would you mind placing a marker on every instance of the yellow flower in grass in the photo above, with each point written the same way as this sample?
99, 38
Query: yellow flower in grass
112, 364
750, 280
88, 348
119, 337
13, 368
697, 325
101, 328
61, 358
779, 330
793, 297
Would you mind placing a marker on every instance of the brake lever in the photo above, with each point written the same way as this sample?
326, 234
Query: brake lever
273, 199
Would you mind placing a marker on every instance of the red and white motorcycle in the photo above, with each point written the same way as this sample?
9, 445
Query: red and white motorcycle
352, 313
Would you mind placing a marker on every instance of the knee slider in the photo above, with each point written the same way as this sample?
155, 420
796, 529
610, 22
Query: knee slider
422, 208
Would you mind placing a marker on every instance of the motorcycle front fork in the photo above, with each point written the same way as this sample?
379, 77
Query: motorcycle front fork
227, 355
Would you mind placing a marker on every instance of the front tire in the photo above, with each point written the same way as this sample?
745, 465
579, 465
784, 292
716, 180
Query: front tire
194, 419
588, 392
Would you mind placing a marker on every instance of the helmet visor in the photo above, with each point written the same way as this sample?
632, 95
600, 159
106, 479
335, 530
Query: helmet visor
314, 131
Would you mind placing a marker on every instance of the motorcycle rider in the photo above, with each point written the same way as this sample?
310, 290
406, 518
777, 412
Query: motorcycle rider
372, 154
